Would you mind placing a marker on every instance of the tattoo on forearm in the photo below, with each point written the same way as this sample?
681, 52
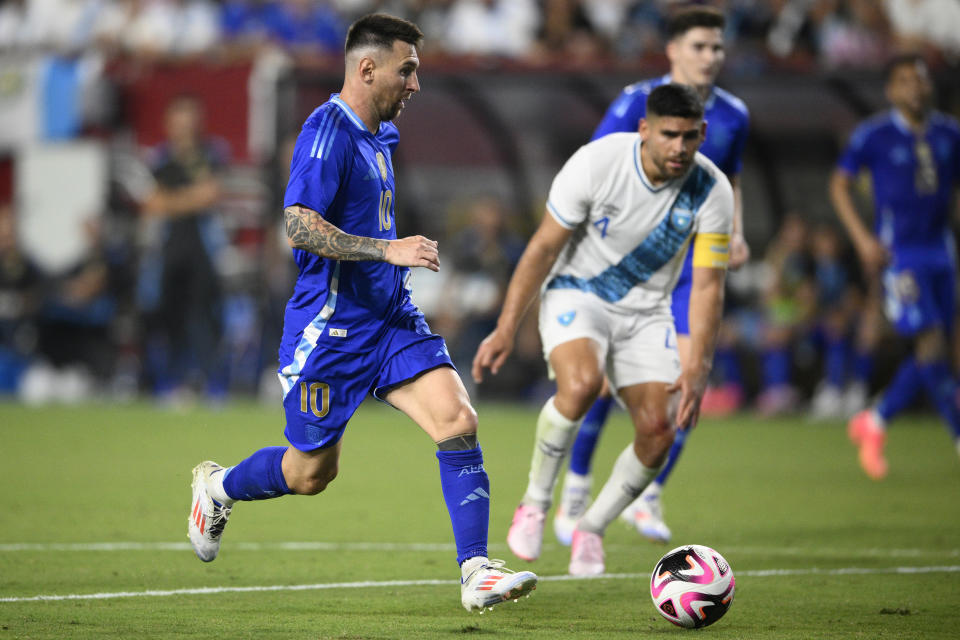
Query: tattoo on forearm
307, 230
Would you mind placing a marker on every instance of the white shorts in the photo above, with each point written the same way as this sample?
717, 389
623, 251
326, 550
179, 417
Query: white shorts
635, 347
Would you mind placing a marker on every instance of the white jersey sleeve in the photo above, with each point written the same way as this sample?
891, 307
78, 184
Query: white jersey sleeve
571, 194
716, 214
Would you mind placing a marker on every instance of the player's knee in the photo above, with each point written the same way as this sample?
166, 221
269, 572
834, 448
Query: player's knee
462, 421
581, 389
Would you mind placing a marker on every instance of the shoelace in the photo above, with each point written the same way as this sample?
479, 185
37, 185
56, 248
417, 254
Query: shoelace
493, 564
592, 547
531, 522
219, 520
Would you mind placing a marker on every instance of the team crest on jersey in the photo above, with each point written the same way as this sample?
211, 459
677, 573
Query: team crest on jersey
681, 219
382, 163
566, 318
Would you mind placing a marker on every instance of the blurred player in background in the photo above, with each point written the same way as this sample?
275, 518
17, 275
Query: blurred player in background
696, 53
179, 288
351, 329
913, 155
621, 215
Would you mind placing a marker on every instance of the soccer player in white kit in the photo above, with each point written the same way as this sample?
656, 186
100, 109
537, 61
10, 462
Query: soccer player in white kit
621, 215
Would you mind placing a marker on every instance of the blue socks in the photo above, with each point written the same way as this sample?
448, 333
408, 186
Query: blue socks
862, 366
259, 477
466, 490
902, 391
941, 387
679, 440
776, 367
835, 361
586, 443
727, 366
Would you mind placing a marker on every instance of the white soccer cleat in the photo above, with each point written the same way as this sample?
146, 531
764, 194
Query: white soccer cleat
855, 398
207, 516
525, 537
586, 554
574, 501
492, 583
646, 513
827, 403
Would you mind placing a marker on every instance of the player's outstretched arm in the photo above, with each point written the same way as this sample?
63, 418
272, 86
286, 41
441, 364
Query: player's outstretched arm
706, 309
308, 231
534, 265
873, 255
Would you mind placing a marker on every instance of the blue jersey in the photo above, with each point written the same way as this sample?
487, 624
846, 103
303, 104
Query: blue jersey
727, 121
344, 173
913, 181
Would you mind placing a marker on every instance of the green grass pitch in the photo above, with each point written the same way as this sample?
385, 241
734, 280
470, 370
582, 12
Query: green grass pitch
95, 501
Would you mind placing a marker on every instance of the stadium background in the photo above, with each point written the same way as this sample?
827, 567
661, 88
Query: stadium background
509, 90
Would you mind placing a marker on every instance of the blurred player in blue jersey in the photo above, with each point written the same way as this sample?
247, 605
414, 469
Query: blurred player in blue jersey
913, 155
696, 53
350, 327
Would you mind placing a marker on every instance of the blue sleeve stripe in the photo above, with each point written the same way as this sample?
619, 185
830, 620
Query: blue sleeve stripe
556, 214
330, 134
316, 140
328, 119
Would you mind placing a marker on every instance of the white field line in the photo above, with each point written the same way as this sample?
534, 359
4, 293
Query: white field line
875, 552
761, 573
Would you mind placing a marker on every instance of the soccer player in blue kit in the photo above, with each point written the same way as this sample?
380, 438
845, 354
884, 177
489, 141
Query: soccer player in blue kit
350, 327
913, 155
696, 53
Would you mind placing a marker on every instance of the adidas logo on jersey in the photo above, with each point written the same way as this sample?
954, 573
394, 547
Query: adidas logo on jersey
474, 495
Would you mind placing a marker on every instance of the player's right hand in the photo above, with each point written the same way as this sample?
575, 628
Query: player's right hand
491, 353
413, 251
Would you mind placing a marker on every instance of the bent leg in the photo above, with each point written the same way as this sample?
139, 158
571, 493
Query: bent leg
938, 380
640, 462
577, 365
438, 402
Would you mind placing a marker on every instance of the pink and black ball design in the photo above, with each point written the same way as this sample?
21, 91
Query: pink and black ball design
692, 586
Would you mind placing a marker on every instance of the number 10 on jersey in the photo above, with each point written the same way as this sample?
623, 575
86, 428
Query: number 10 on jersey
309, 398
386, 198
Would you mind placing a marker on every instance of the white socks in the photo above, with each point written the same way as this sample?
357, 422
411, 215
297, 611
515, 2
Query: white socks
627, 481
470, 565
215, 488
555, 435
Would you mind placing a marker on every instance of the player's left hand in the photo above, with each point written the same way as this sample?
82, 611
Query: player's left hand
739, 251
691, 385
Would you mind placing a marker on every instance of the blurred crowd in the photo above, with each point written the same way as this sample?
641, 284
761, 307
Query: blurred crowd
831, 33
169, 290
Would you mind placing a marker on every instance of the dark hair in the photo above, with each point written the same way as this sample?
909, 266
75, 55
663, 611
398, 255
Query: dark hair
690, 18
901, 60
380, 30
675, 100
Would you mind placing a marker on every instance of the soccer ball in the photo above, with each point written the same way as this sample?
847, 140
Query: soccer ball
692, 586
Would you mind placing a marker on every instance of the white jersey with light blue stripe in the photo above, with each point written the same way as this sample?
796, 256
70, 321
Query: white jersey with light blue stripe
630, 238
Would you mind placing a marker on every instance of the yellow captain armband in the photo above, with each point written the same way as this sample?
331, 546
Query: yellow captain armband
711, 250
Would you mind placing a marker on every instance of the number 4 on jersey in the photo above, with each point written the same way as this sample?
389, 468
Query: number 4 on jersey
602, 224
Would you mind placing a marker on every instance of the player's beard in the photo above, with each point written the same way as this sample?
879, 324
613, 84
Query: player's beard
671, 173
392, 110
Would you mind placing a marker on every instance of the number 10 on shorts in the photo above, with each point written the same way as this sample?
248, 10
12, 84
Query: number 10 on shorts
308, 398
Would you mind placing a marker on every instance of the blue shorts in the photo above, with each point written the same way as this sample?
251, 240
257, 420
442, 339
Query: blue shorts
918, 297
332, 384
680, 305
